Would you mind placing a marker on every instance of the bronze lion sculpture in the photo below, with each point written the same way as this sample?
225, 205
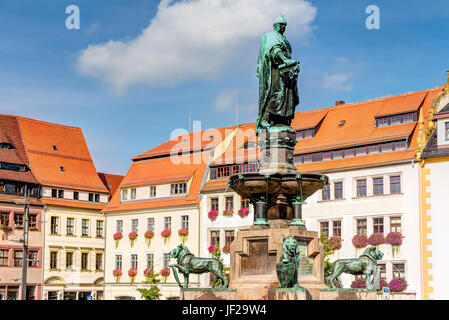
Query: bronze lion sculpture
188, 263
287, 267
366, 265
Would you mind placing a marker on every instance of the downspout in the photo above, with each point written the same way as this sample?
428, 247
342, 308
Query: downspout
43, 248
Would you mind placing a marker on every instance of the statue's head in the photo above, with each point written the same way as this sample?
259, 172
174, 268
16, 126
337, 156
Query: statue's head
176, 251
374, 253
289, 245
279, 24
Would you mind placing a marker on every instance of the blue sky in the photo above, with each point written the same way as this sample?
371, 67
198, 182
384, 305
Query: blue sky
131, 73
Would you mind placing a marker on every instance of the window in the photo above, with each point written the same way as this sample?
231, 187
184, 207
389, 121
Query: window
84, 261
362, 226
178, 188
133, 194
18, 220
337, 154
166, 259
150, 260
398, 271
60, 193
76, 195
85, 227
135, 225
91, 197
185, 222
244, 203
326, 192
229, 203
395, 224
100, 228
70, 226
150, 223
54, 222
62, 169
32, 221
118, 261
361, 188
4, 257
4, 218
215, 238
327, 155
338, 190
153, 192
99, 262
378, 225
383, 271
13, 293
69, 260
395, 184
119, 226
229, 236
53, 260
97, 197
378, 186
361, 150
124, 194
54, 193
214, 204
55, 148
324, 227
134, 259
349, 153
32, 259
336, 228
167, 222
223, 172
307, 158
446, 131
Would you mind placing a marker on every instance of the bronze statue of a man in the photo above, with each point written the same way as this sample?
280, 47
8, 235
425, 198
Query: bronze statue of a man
278, 77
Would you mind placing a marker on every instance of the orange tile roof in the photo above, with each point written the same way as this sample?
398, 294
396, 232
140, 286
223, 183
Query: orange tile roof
161, 170
213, 185
308, 119
9, 198
111, 182
193, 141
34, 141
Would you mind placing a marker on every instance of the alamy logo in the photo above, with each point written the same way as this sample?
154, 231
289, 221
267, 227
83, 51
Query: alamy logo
72, 22
373, 20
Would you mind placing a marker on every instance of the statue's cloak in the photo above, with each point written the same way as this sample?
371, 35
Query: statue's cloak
278, 95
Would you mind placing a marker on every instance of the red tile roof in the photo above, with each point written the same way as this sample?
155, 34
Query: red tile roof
111, 182
34, 141
73, 204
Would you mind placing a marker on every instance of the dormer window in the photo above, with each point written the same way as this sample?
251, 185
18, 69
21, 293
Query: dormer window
342, 123
55, 148
6, 146
178, 188
305, 134
62, 169
396, 119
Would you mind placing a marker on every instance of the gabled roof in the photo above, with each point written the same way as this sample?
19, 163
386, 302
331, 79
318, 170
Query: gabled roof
308, 119
111, 182
163, 170
34, 141
189, 142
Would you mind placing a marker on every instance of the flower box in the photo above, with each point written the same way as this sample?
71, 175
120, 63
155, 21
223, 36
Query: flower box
148, 272
359, 283
397, 285
132, 274
395, 240
226, 249
166, 234
228, 213
183, 233
165, 273
212, 215
359, 241
335, 242
132, 235
117, 273
118, 236
149, 234
376, 239
243, 212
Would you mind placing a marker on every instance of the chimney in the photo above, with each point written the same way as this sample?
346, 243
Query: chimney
339, 102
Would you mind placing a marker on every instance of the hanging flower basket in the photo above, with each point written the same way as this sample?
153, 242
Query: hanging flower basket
243, 212
212, 215
166, 234
132, 274
398, 285
226, 249
117, 274
359, 240
335, 242
7, 230
132, 237
117, 236
165, 273
395, 240
149, 234
183, 233
148, 272
376, 239
359, 283
228, 213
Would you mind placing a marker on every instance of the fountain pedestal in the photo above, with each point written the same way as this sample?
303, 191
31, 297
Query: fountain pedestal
255, 252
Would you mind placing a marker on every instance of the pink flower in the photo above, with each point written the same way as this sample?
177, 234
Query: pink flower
148, 272
358, 283
376, 239
117, 272
132, 235
211, 248
359, 240
166, 233
165, 272
243, 212
132, 272
397, 285
149, 234
226, 248
212, 215
394, 238
335, 242
118, 236
183, 232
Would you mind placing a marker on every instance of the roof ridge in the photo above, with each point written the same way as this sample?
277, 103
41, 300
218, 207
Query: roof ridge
40, 121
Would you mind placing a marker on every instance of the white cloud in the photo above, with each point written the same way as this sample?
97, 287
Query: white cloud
226, 100
337, 81
192, 39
